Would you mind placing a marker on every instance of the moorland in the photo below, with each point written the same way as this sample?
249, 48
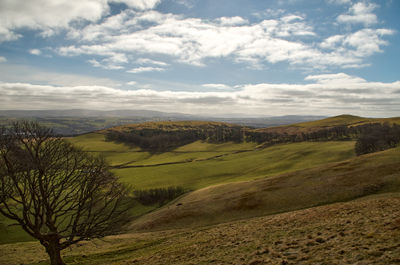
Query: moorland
320, 192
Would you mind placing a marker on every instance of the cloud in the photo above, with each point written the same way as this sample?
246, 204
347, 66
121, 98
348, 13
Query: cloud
359, 44
339, 2
131, 83
360, 12
193, 40
150, 61
50, 17
3, 59
151, 34
269, 13
145, 69
26, 74
367, 41
187, 3
327, 94
35, 51
139, 34
334, 78
46, 15
6, 34
332, 42
139, 4
350, 50
232, 21
217, 86
105, 64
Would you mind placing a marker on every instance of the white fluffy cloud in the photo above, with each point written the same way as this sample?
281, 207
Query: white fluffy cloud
35, 51
131, 83
3, 59
138, 4
217, 86
46, 15
232, 21
151, 62
335, 93
115, 42
49, 16
360, 12
358, 45
193, 40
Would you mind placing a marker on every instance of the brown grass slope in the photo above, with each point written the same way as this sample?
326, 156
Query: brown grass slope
364, 231
341, 120
343, 181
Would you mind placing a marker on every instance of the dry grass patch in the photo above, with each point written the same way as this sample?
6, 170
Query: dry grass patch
364, 231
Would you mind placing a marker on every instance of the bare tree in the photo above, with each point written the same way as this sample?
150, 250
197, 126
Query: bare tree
57, 193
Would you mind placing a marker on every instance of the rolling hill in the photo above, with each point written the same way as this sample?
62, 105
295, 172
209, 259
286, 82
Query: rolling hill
332, 182
200, 164
287, 203
363, 231
341, 120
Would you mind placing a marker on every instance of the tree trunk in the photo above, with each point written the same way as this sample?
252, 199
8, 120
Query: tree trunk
54, 251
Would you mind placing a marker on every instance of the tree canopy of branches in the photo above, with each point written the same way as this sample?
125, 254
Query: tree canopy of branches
377, 137
57, 193
160, 195
159, 140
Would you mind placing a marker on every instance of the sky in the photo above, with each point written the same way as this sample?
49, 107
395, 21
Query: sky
206, 57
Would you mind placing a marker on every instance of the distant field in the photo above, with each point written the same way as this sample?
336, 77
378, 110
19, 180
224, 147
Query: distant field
72, 125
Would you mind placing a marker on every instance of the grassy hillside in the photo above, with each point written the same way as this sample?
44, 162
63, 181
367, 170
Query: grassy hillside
336, 121
359, 232
340, 181
341, 120
232, 185
201, 164
231, 166
198, 165
348, 120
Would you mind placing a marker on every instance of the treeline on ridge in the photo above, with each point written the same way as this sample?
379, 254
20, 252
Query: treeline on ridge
371, 137
161, 140
377, 137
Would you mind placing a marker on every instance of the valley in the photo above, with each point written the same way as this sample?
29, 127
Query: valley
244, 202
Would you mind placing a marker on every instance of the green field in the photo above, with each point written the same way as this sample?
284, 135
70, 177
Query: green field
202, 164
233, 166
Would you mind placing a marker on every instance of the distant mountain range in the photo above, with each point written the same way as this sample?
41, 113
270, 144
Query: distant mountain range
84, 113
78, 121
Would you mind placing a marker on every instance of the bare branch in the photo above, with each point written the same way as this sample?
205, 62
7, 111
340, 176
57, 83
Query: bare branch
56, 192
